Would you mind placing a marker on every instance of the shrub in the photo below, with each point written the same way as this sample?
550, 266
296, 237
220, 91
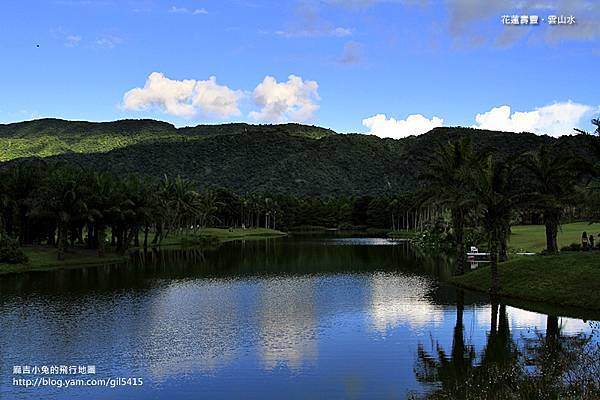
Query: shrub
572, 247
10, 252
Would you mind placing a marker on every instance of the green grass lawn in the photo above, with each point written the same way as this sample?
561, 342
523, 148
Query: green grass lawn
42, 258
571, 279
254, 233
533, 237
218, 235
402, 234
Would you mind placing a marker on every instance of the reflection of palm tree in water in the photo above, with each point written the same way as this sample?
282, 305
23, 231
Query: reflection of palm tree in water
566, 365
499, 368
458, 376
549, 366
451, 370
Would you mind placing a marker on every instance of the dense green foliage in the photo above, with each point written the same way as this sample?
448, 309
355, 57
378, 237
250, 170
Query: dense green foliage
10, 252
63, 205
56, 204
47, 137
294, 159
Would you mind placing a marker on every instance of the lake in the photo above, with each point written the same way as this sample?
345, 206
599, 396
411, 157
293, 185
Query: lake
303, 317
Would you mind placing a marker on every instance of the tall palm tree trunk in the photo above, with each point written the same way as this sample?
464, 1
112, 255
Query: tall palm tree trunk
458, 221
503, 256
494, 267
101, 235
146, 230
551, 223
61, 241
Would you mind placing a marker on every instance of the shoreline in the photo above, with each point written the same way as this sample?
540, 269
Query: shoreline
569, 280
43, 258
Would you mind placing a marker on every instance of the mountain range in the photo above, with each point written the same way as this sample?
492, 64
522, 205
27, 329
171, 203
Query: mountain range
290, 158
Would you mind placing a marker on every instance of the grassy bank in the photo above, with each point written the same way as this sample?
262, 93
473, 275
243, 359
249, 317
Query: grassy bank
236, 234
533, 237
42, 258
211, 236
568, 279
403, 234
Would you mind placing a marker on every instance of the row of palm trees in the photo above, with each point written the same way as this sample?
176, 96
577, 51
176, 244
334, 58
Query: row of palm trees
482, 190
56, 203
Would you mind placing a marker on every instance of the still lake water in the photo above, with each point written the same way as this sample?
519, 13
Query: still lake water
283, 318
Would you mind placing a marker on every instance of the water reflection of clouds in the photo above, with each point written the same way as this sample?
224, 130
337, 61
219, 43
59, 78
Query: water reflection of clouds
524, 320
361, 242
400, 299
287, 322
194, 328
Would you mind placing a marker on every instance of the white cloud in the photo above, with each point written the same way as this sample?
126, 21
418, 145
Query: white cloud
184, 10
178, 10
554, 119
315, 32
215, 99
415, 124
108, 41
72, 40
293, 100
341, 32
183, 98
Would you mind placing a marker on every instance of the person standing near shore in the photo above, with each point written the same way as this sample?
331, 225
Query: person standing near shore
584, 241
591, 240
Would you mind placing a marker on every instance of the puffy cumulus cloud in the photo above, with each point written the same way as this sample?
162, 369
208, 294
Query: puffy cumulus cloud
183, 98
294, 100
414, 124
215, 99
554, 119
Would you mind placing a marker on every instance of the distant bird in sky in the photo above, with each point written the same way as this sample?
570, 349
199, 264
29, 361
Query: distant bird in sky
37, 45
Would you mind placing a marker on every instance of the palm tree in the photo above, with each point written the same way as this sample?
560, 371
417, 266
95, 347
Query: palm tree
497, 198
64, 198
205, 208
140, 196
449, 178
553, 177
178, 206
100, 202
22, 183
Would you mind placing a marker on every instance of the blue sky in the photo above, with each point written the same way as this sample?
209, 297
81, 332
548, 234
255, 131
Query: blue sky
391, 68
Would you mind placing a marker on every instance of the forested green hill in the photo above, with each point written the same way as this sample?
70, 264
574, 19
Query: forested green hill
49, 136
290, 158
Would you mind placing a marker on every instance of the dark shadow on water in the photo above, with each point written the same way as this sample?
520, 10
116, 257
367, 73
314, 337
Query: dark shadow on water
545, 365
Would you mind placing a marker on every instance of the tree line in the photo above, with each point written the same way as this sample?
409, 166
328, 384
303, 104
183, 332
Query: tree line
58, 204
61, 204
